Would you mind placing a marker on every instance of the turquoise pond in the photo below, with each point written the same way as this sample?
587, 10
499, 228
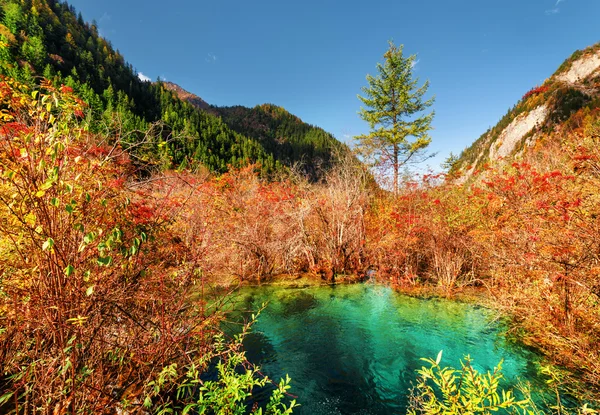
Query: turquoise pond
354, 349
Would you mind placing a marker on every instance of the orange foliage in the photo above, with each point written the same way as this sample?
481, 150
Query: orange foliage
528, 232
111, 253
90, 313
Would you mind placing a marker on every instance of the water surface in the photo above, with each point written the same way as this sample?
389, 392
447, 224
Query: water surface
354, 349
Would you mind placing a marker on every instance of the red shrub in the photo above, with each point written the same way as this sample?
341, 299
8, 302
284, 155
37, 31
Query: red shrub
536, 91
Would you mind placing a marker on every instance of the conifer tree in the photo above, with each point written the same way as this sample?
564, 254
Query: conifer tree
394, 110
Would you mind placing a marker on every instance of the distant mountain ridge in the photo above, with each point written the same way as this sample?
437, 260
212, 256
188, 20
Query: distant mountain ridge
542, 115
185, 95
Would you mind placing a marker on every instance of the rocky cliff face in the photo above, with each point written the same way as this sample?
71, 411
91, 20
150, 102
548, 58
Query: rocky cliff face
540, 115
583, 68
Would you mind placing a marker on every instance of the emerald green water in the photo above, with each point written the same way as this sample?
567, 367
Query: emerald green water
354, 349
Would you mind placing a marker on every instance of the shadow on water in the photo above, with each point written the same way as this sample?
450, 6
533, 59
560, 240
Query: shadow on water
354, 349
295, 302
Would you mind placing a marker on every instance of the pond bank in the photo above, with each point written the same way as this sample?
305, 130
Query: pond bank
354, 348
478, 296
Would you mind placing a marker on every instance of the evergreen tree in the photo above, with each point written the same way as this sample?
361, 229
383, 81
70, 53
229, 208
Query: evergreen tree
13, 16
33, 51
450, 162
394, 112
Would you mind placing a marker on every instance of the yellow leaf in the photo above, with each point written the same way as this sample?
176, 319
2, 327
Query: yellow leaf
30, 219
46, 185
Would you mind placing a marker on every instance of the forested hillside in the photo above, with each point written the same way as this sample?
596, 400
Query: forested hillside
49, 39
285, 136
291, 141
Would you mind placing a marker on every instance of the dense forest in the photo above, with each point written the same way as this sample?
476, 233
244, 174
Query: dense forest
294, 143
128, 215
50, 39
285, 136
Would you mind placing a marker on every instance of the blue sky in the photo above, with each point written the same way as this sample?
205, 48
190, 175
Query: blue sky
311, 56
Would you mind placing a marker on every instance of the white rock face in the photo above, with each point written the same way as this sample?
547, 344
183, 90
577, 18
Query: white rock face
516, 130
581, 69
585, 67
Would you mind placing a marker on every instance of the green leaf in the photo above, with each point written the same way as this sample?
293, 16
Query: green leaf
89, 238
147, 402
90, 290
69, 270
106, 261
48, 244
69, 209
46, 185
4, 398
188, 408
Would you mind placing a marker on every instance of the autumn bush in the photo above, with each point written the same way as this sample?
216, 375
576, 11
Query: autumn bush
527, 232
394, 230
537, 90
334, 227
100, 306
421, 236
252, 229
534, 228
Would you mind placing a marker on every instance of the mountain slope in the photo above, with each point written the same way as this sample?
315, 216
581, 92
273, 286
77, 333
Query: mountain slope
184, 95
284, 135
540, 116
290, 140
49, 39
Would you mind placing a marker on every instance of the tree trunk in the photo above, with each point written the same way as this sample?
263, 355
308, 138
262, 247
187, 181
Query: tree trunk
395, 163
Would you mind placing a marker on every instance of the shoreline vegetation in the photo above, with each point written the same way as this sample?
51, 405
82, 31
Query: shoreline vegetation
121, 205
103, 269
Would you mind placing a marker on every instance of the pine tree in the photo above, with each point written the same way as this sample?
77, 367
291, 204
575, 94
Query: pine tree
394, 112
